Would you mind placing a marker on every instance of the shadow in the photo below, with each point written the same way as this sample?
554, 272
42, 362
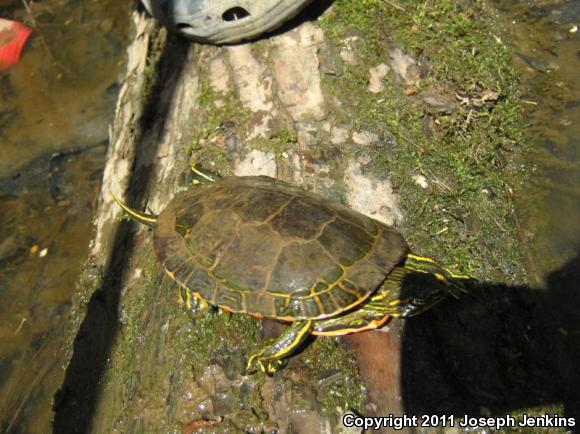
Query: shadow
499, 350
76, 401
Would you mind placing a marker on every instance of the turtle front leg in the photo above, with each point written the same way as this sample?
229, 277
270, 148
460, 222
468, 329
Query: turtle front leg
193, 304
270, 358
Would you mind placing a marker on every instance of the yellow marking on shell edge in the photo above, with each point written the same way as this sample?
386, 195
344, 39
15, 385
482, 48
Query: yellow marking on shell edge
214, 265
226, 308
283, 318
280, 294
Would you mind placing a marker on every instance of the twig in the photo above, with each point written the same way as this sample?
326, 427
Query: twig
396, 6
20, 326
29, 12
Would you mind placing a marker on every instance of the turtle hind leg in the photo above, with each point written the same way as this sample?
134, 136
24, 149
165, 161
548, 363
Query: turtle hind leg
369, 316
270, 358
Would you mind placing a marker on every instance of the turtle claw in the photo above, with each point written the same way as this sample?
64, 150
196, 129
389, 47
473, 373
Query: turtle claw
259, 363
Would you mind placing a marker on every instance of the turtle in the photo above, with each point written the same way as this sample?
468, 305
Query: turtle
259, 246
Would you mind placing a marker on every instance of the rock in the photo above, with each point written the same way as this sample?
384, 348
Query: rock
538, 63
348, 56
12, 247
439, 98
296, 68
252, 79
410, 90
365, 138
257, 163
329, 60
307, 135
378, 73
339, 135
405, 67
219, 76
213, 380
261, 124
421, 181
371, 196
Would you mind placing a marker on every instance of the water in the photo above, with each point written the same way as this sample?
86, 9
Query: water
55, 108
547, 44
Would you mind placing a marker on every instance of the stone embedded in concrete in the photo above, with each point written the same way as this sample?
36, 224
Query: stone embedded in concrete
339, 135
253, 82
296, 68
421, 181
371, 196
365, 138
307, 135
405, 67
252, 79
348, 56
257, 163
377, 74
219, 76
439, 98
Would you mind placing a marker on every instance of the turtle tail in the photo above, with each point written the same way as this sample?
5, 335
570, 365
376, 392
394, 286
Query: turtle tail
146, 219
452, 281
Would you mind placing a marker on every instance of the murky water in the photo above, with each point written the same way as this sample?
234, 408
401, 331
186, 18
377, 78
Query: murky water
55, 108
546, 39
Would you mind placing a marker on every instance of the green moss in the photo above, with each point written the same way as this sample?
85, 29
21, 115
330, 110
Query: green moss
224, 117
277, 143
464, 216
336, 371
536, 412
220, 335
228, 111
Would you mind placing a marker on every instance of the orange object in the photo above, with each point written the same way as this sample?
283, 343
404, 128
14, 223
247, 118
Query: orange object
13, 37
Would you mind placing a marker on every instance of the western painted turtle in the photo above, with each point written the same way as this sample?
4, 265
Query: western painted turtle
263, 247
